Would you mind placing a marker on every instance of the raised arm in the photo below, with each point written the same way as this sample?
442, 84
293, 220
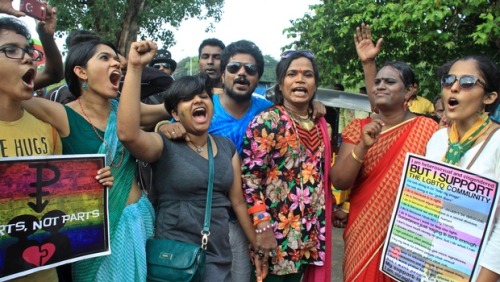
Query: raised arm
367, 52
54, 70
146, 146
50, 112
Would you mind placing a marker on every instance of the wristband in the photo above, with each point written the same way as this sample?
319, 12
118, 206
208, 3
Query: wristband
257, 208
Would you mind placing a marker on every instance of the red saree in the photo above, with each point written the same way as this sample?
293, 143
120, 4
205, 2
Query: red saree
373, 195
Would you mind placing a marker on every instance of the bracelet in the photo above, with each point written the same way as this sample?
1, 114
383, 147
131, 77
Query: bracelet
356, 158
159, 124
263, 229
257, 208
335, 208
261, 217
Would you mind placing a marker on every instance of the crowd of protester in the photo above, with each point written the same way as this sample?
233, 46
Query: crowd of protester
272, 207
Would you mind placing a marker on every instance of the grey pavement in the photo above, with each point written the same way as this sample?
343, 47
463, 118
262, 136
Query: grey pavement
337, 254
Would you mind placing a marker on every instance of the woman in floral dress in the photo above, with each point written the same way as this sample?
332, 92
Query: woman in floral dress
285, 176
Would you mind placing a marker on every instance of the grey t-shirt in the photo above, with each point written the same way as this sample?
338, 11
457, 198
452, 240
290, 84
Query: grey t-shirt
181, 180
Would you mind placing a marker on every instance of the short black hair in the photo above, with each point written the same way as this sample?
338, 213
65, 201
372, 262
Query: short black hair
211, 42
13, 24
185, 88
242, 47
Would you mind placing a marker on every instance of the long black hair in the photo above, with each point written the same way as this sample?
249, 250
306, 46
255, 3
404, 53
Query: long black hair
79, 55
283, 66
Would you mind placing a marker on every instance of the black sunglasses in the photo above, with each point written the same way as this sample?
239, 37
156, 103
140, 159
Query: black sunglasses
164, 65
465, 81
305, 53
234, 67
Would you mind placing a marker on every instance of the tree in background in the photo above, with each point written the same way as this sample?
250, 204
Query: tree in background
424, 33
121, 21
185, 66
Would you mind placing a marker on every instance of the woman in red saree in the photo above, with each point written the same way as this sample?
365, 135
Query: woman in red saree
370, 162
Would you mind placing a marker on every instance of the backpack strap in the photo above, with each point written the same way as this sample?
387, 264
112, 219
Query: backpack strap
482, 147
54, 138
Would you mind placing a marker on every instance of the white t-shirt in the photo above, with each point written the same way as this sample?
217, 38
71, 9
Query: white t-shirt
488, 165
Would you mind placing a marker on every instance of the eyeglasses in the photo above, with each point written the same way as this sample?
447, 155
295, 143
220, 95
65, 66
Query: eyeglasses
234, 67
163, 65
465, 81
15, 52
305, 53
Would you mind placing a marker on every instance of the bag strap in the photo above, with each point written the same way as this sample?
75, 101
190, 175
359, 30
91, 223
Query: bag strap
208, 208
482, 147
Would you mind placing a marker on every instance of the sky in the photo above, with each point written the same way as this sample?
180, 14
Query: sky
260, 21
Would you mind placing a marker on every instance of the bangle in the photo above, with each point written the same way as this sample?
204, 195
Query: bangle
263, 229
356, 158
257, 208
159, 124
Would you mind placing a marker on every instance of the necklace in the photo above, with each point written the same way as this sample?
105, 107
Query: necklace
108, 151
199, 149
305, 121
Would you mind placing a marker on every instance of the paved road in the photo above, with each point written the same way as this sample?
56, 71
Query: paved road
337, 254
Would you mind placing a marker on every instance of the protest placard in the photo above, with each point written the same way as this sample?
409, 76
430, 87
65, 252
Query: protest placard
439, 223
52, 211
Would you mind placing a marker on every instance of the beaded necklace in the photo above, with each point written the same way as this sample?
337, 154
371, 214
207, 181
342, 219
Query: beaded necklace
108, 151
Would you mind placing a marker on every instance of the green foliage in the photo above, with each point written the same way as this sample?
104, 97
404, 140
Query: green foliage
186, 66
425, 34
149, 17
269, 69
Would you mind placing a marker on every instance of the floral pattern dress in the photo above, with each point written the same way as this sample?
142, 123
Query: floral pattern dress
283, 167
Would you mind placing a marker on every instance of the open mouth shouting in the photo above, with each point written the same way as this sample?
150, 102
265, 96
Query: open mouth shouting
452, 103
299, 91
200, 114
114, 78
29, 78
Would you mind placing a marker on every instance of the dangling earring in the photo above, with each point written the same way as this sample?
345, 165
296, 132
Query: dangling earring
405, 105
481, 112
85, 86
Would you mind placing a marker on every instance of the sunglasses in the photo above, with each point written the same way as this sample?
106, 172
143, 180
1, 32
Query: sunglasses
159, 65
465, 81
305, 53
234, 67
